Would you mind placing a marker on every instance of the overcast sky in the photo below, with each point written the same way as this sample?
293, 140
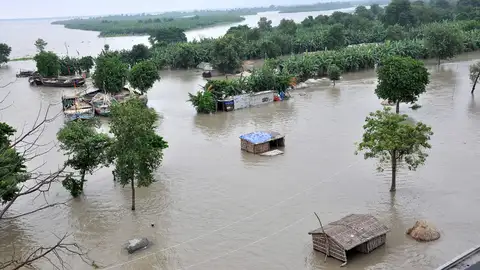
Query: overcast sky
12, 9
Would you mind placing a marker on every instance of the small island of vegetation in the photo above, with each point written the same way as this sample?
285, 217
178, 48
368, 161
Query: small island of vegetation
144, 25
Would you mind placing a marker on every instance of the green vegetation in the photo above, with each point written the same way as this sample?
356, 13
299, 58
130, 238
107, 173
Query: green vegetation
401, 79
143, 75
146, 26
443, 41
334, 73
85, 149
26, 58
5, 51
40, 44
48, 64
110, 72
262, 79
390, 138
137, 150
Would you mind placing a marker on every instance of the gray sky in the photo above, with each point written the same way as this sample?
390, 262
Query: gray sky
12, 9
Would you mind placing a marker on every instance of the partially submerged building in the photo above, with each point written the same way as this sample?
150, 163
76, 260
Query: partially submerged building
358, 232
261, 141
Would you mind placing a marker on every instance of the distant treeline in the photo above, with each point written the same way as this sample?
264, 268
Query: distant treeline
146, 25
329, 6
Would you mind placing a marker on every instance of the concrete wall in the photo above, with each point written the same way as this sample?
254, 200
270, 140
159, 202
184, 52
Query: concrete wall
241, 101
261, 98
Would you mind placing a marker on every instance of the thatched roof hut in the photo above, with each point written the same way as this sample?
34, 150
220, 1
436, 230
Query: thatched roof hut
423, 231
360, 232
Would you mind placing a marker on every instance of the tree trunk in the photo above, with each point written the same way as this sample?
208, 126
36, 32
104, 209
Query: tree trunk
82, 179
475, 82
133, 195
333, 82
397, 109
393, 187
439, 61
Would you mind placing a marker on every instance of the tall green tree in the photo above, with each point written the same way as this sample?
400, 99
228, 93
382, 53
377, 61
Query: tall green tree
139, 53
401, 79
399, 12
143, 75
390, 138
335, 37
443, 41
5, 51
137, 150
227, 52
288, 27
474, 74
40, 44
264, 24
110, 73
86, 63
85, 149
48, 64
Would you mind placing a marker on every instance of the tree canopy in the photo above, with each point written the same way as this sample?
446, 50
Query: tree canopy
48, 64
401, 79
390, 138
143, 75
85, 149
442, 41
334, 73
226, 54
110, 73
5, 51
139, 53
137, 150
40, 44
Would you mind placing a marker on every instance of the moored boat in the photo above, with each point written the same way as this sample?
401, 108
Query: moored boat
60, 81
101, 103
25, 73
74, 108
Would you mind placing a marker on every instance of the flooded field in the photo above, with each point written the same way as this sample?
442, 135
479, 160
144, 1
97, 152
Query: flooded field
216, 207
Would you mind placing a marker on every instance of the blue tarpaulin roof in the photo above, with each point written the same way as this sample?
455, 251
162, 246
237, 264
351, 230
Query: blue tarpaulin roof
259, 136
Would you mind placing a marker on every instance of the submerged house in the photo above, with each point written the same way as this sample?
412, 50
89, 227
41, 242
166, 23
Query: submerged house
358, 232
261, 141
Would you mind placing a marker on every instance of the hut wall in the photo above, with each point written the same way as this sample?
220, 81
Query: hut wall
247, 146
241, 101
262, 148
261, 98
372, 244
334, 250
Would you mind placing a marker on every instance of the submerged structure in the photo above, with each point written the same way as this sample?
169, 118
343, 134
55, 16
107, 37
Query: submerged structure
261, 141
359, 232
469, 260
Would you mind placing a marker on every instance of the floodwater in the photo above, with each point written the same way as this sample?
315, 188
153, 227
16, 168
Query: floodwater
216, 207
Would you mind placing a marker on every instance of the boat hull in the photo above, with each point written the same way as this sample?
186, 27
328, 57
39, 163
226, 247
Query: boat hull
72, 116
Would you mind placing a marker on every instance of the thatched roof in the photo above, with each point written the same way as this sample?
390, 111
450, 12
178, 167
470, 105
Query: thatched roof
423, 231
353, 230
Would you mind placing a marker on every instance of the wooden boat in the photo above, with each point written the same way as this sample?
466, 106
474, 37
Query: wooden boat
60, 81
101, 102
25, 73
74, 108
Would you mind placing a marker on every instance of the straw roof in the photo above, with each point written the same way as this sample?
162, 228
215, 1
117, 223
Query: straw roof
423, 231
353, 230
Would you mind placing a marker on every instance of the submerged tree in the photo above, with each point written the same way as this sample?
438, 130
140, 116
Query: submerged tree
85, 149
401, 79
40, 44
143, 75
5, 51
137, 150
139, 53
227, 53
474, 74
48, 64
110, 73
443, 41
86, 63
390, 138
334, 73
15, 153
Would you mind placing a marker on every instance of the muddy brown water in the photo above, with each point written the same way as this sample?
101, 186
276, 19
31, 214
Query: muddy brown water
216, 207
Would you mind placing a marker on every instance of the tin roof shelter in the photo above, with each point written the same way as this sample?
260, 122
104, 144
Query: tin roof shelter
261, 141
359, 232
